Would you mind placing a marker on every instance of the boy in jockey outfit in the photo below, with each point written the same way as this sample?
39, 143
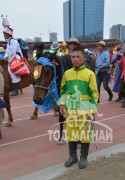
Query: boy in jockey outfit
79, 96
13, 50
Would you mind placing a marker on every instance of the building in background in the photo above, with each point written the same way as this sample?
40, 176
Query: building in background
28, 40
118, 32
83, 19
37, 39
52, 36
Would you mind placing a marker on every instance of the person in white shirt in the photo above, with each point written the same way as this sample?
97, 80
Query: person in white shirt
13, 50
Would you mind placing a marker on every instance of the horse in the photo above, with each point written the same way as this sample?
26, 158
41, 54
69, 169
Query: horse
64, 62
25, 81
42, 84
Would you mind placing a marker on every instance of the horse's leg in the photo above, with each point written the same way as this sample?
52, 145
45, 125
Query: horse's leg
21, 92
35, 114
61, 122
8, 107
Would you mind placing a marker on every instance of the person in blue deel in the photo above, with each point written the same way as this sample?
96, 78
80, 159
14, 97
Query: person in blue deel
2, 104
2, 51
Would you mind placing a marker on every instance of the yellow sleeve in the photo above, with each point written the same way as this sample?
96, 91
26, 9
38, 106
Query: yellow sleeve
63, 90
94, 93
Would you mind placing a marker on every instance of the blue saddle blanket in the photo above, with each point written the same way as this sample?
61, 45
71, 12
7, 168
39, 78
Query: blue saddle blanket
2, 104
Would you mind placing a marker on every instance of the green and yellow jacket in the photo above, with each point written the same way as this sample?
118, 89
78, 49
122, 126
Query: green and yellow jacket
79, 90
79, 94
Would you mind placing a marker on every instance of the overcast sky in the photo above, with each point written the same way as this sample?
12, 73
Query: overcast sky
30, 18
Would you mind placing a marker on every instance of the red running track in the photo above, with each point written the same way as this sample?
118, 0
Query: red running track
25, 147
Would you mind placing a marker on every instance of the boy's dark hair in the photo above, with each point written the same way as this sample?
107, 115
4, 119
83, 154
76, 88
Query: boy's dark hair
79, 48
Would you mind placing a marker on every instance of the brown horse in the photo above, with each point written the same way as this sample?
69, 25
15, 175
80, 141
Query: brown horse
25, 81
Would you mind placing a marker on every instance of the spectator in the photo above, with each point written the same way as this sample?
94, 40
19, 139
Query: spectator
64, 50
103, 70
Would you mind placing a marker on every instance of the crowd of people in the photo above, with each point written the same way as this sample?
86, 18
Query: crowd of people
86, 82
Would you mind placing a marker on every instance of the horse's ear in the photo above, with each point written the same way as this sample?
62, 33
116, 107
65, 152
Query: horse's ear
37, 71
53, 56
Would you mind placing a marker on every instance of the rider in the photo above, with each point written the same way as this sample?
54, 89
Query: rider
13, 48
55, 46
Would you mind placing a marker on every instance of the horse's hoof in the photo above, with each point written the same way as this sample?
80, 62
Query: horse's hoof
33, 117
8, 124
61, 142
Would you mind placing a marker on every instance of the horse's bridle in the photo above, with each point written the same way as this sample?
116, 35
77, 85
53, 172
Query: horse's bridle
48, 90
43, 87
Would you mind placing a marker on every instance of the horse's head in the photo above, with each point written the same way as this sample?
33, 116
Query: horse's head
42, 84
48, 72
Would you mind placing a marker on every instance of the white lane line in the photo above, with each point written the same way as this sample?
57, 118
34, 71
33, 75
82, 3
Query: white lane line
22, 106
35, 137
21, 98
113, 117
103, 103
22, 140
29, 117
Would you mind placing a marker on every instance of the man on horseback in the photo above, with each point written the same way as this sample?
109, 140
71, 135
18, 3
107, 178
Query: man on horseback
13, 51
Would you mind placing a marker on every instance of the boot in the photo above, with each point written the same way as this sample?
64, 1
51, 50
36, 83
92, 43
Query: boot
82, 162
15, 89
123, 104
73, 155
84, 154
110, 97
119, 98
